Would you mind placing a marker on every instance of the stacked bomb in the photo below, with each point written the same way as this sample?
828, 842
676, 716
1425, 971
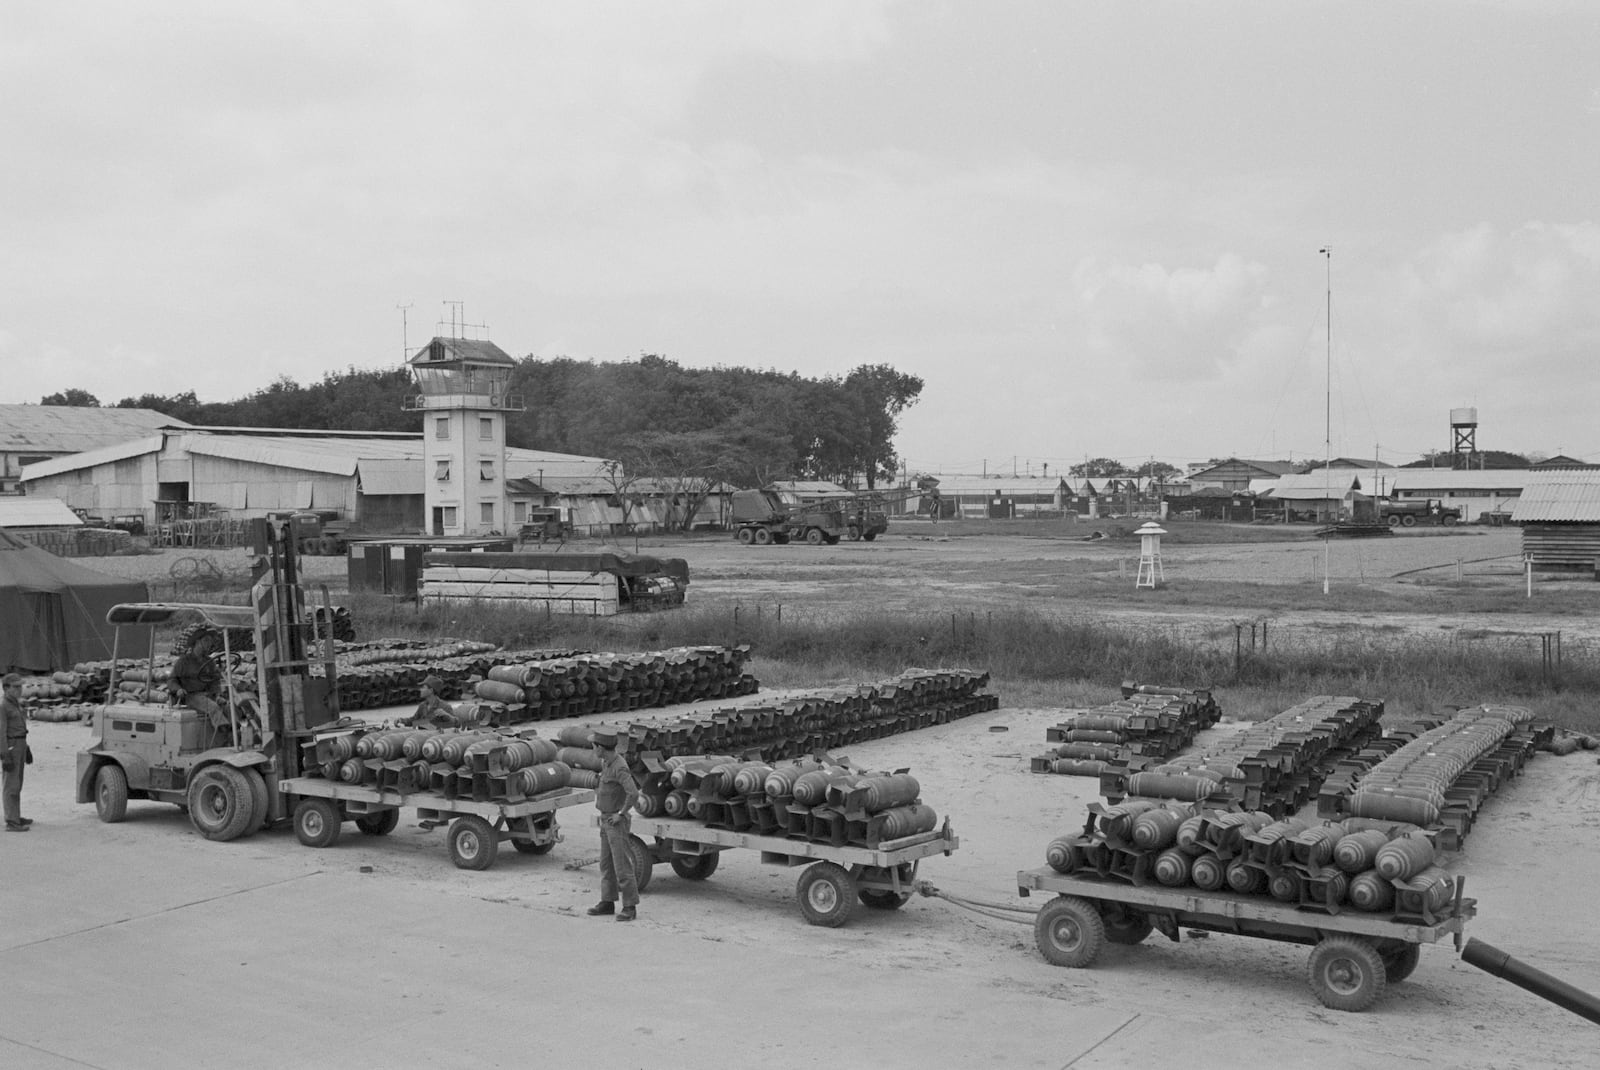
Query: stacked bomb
529, 689
485, 766
817, 799
1149, 722
1274, 766
821, 720
1443, 776
1371, 866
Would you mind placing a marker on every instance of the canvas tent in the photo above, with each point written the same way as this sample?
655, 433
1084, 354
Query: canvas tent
53, 611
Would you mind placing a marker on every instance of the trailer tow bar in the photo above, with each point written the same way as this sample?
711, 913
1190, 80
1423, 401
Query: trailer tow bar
988, 908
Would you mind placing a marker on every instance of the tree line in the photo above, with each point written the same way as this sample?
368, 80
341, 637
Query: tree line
691, 426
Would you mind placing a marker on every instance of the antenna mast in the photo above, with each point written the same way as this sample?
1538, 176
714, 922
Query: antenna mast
405, 335
1327, 425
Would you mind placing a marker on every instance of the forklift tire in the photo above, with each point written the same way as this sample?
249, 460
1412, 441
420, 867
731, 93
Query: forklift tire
316, 823
379, 824
111, 793
473, 842
260, 802
220, 803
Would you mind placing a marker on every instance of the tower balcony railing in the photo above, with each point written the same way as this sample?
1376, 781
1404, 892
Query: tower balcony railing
426, 402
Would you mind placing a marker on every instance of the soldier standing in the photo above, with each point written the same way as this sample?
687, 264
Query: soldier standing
617, 793
13, 751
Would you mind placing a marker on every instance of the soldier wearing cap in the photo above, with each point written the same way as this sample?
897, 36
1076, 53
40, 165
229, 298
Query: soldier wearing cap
617, 793
433, 709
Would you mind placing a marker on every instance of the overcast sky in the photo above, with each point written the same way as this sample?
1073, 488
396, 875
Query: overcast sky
1093, 229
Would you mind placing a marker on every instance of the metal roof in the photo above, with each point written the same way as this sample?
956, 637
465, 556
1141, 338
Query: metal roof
530, 464
1559, 496
445, 350
74, 428
21, 512
89, 458
1005, 486
390, 475
1447, 480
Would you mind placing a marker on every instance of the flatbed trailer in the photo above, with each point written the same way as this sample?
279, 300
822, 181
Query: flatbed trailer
477, 827
1354, 955
835, 877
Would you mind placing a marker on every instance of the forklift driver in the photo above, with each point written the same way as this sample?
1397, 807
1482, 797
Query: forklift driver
198, 681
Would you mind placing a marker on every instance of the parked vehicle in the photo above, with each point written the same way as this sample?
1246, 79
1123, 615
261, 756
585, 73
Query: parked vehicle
761, 517
1408, 512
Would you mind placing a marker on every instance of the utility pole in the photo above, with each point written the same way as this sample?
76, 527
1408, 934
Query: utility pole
405, 337
1327, 440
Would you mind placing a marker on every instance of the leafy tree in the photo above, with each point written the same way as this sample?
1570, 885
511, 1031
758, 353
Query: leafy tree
73, 397
184, 406
1157, 470
1099, 468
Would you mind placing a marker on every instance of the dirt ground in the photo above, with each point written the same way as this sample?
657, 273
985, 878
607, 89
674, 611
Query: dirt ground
123, 944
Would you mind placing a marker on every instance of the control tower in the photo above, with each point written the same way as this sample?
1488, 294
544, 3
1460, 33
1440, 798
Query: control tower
462, 394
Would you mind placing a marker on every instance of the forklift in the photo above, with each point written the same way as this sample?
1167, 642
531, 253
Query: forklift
224, 776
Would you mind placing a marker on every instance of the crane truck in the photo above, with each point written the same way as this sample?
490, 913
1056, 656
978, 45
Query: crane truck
761, 517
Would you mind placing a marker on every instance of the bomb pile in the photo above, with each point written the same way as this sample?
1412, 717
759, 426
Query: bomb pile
818, 799
520, 689
820, 720
1148, 723
1385, 868
482, 765
1441, 777
1276, 765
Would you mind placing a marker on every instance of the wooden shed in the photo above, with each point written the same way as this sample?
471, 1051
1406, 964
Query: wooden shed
1560, 516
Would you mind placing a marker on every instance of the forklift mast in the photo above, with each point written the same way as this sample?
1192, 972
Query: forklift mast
294, 703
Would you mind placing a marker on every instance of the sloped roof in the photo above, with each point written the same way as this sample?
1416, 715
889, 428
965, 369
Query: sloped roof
1310, 486
1448, 480
73, 428
1267, 468
530, 464
21, 512
137, 447
1559, 496
446, 350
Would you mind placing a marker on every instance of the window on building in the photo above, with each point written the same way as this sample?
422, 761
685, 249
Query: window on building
486, 471
486, 428
441, 427
441, 471
519, 512
486, 512
449, 516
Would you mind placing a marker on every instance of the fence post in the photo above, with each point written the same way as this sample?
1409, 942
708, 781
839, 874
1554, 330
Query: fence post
1238, 646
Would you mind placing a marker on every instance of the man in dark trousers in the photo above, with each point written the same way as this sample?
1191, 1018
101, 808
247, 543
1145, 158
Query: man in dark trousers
198, 677
13, 750
617, 793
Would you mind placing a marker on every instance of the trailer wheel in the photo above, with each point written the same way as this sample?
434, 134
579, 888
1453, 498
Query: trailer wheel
696, 867
380, 823
316, 823
815, 536
1346, 974
260, 802
747, 536
220, 803
473, 842
878, 899
644, 863
1123, 925
827, 894
1401, 962
111, 793
529, 847
1069, 931
763, 536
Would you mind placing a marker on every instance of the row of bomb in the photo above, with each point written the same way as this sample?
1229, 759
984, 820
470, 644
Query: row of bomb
1148, 723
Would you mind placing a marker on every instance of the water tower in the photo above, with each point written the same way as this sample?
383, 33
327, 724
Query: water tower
1463, 437
462, 394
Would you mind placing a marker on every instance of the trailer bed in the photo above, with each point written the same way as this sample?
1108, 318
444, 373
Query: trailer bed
477, 827
1355, 955
836, 876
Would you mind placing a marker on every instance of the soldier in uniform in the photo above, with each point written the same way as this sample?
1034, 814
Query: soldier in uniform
199, 679
433, 710
13, 750
616, 795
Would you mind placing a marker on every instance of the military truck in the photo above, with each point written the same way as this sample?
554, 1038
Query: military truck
1409, 512
761, 517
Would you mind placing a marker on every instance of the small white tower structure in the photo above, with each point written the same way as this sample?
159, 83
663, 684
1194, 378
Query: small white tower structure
462, 394
1150, 572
